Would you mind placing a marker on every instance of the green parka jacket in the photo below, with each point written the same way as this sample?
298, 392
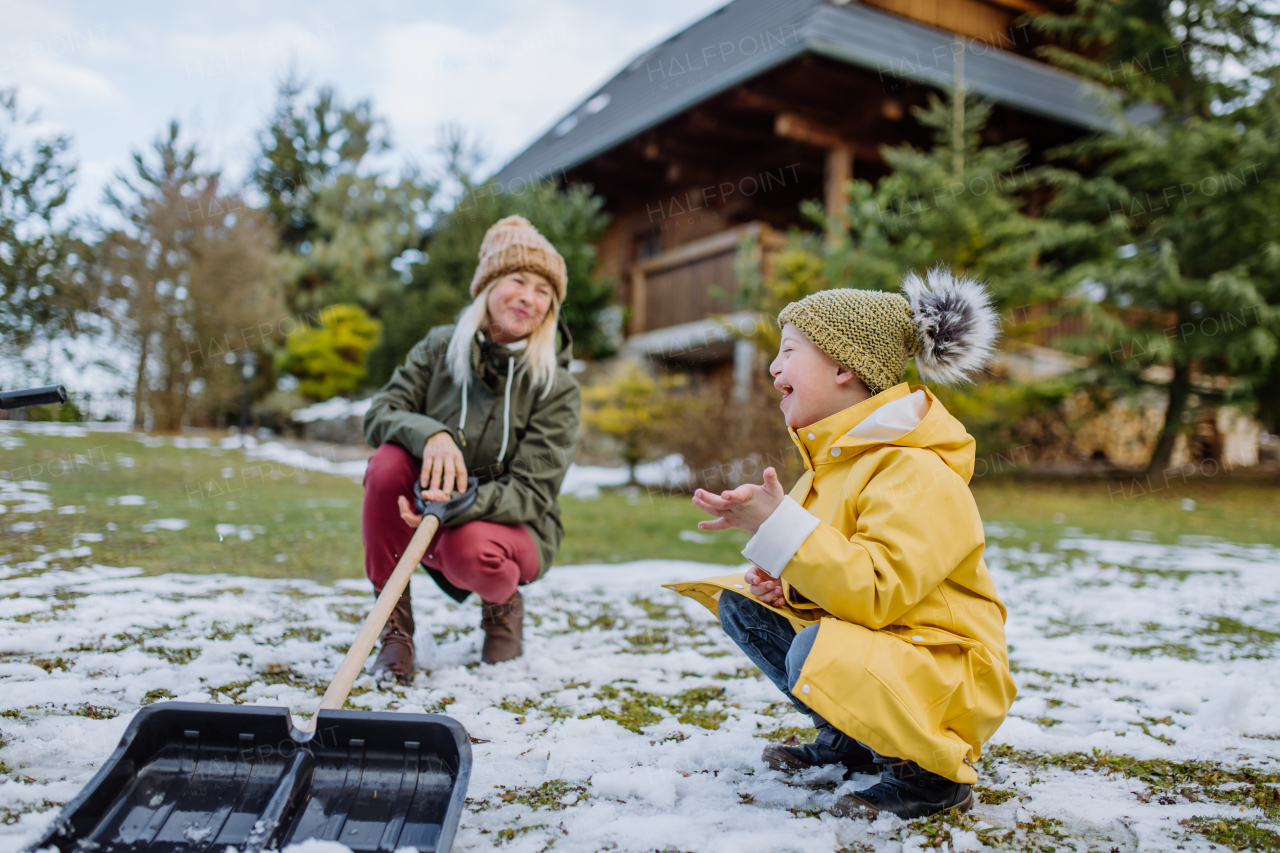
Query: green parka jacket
541, 432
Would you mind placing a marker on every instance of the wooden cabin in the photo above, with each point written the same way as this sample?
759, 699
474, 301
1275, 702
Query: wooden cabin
723, 129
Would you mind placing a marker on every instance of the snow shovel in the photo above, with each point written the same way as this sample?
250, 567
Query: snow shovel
190, 777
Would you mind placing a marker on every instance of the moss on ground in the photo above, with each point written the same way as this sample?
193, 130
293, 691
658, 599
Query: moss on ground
636, 709
549, 795
1236, 833
1241, 786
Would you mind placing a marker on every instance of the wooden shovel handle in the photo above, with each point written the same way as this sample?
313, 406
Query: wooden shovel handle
336, 696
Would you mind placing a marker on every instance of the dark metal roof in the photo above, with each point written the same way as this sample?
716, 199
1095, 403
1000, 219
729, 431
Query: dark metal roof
748, 37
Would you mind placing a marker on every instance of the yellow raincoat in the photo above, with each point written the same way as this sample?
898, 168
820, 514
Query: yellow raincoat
910, 657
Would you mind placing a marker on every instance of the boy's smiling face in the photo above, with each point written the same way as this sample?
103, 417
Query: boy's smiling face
813, 384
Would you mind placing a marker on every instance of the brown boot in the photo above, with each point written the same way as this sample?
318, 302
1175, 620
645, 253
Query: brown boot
396, 655
503, 626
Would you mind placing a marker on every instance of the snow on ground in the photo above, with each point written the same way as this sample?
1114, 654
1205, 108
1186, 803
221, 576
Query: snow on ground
332, 409
631, 723
581, 481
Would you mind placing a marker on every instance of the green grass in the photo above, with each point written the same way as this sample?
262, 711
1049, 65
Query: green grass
312, 519
1230, 506
613, 528
307, 524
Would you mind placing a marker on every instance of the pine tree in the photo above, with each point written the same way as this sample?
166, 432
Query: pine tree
960, 203
570, 218
1178, 224
42, 285
350, 229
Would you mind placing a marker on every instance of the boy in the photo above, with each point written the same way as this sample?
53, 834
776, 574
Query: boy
868, 602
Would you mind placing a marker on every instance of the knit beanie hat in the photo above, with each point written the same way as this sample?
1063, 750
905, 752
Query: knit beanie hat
945, 322
512, 245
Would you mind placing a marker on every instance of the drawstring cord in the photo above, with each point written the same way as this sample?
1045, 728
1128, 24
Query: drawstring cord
506, 411
462, 422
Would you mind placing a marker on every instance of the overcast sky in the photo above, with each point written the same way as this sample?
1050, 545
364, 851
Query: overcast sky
113, 75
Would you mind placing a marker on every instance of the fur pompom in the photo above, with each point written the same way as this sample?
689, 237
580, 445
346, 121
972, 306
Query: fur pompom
957, 325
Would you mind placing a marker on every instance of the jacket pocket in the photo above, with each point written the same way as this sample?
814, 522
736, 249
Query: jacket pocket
922, 669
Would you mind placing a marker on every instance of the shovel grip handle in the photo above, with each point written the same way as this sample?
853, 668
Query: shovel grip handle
336, 696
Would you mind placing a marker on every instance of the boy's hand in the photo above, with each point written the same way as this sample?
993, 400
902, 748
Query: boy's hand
410, 517
766, 589
745, 507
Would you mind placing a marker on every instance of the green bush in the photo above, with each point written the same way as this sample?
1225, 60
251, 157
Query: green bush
330, 359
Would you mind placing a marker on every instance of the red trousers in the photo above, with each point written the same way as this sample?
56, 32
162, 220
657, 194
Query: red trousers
488, 559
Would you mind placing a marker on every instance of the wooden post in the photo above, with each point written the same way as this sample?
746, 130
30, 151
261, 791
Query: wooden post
839, 171
639, 300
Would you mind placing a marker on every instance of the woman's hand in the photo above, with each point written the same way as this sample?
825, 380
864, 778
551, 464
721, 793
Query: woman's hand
766, 589
745, 507
442, 468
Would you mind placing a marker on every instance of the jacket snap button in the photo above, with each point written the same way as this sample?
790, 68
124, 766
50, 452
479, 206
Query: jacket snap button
737, 586
918, 638
812, 436
805, 689
835, 451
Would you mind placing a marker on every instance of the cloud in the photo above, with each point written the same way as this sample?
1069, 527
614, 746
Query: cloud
503, 69
511, 80
54, 79
252, 54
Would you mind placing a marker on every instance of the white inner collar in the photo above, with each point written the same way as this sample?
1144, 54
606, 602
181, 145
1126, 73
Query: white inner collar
894, 419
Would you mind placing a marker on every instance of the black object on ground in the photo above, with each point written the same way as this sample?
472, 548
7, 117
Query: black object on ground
190, 777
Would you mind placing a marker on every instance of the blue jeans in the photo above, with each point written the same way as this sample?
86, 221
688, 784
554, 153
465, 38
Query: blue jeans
770, 642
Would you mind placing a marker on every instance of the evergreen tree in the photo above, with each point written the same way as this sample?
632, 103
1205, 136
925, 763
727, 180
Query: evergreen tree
960, 203
42, 285
350, 230
1178, 235
570, 218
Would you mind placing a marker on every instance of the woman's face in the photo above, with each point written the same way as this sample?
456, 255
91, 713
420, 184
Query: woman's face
518, 303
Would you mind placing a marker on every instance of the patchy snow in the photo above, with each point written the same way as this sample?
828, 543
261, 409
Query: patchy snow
166, 524
1133, 648
77, 430
332, 409
290, 459
585, 481
24, 495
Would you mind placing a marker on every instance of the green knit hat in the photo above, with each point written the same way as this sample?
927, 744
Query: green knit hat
946, 324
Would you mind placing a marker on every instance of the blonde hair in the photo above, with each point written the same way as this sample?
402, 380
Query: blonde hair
538, 358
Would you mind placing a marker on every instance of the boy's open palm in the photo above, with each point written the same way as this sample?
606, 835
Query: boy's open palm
745, 507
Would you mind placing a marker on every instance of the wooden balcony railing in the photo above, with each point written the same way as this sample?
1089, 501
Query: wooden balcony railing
693, 281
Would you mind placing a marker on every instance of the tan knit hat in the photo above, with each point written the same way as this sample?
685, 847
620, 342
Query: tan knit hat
946, 324
512, 245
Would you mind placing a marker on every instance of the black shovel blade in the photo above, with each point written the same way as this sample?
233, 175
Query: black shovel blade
192, 778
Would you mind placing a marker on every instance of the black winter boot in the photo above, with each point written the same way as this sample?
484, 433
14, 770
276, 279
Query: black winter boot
907, 790
831, 746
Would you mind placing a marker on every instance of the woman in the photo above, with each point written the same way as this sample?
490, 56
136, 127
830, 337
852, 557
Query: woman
490, 397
